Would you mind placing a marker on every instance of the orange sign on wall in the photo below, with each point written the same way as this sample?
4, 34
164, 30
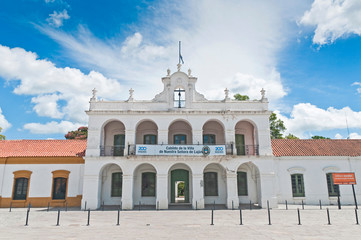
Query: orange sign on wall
344, 178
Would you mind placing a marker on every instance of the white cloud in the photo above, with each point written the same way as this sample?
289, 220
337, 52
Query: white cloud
59, 92
223, 50
306, 118
51, 127
355, 136
4, 124
333, 19
338, 136
56, 19
357, 84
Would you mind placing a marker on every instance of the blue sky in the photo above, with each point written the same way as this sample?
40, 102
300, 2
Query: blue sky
305, 54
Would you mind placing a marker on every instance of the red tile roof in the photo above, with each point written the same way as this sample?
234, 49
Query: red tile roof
316, 147
42, 148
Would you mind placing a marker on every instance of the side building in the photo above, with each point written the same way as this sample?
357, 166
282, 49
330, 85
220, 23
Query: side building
41, 172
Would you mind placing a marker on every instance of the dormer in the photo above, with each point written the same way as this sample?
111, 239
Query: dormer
179, 90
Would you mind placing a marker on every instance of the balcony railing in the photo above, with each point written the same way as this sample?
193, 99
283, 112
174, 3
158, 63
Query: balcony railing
247, 150
112, 150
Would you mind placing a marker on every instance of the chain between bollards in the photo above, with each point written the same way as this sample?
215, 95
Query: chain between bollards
240, 217
212, 218
27, 217
299, 216
88, 217
57, 222
269, 214
328, 216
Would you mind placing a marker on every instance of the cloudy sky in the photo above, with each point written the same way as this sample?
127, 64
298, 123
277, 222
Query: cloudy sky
305, 54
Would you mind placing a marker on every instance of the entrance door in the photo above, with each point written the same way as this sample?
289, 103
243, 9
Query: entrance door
240, 144
119, 140
177, 179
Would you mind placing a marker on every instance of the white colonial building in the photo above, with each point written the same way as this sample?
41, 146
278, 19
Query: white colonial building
179, 148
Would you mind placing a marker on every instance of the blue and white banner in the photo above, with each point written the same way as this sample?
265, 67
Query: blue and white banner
183, 150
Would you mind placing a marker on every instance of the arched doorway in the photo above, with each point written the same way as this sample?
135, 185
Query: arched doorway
215, 184
248, 184
111, 185
180, 184
246, 138
180, 132
113, 140
144, 186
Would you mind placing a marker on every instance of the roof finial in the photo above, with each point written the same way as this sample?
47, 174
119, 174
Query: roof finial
226, 93
94, 97
168, 72
131, 91
263, 93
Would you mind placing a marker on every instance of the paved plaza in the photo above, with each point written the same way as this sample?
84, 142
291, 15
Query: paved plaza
186, 224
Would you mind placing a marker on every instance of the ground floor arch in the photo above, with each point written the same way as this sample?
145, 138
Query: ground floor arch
248, 184
145, 185
180, 184
215, 184
111, 185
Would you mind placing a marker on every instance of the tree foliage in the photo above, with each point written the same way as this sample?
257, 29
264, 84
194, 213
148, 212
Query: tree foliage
81, 133
277, 127
2, 137
319, 137
291, 136
240, 97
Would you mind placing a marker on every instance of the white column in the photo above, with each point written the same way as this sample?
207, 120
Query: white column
197, 137
127, 192
162, 193
230, 138
232, 194
91, 192
268, 190
129, 139
163, 136
198, 198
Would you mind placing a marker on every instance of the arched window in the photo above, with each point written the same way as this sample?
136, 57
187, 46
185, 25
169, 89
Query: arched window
59, 188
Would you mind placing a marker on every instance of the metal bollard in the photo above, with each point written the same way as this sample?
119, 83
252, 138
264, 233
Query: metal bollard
27, 217
250, 205
118, 217
212, 218
57, 222
103, 206
299, 217
269, 214
328, 217
196, 205
232, 205
286, 205
240, 217
48, 207
303, 205
320, 204
88, 217
10, 207
66, 206
85, 207
157, 205
356, 216
139, 205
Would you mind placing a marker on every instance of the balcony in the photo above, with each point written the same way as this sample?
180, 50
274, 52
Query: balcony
112, 150
247, 150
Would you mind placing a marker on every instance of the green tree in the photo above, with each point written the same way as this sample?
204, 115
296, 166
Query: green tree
291, 136
319, 137
81, 133
240, 97
2, 137
277, 127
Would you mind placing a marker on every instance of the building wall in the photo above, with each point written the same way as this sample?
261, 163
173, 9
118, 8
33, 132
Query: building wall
314, 171
41, 181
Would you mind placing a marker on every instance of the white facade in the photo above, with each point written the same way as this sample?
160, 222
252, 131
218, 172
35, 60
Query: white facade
170, 114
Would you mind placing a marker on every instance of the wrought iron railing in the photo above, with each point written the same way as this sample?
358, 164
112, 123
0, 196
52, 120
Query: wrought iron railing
112, 150
247, 150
